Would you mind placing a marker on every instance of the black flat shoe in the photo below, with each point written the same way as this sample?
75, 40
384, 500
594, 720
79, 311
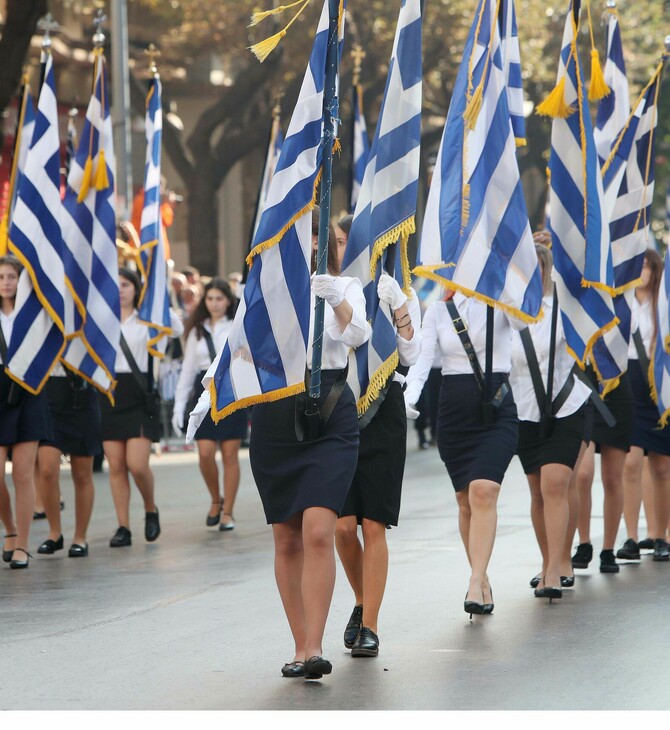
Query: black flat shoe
583, 555
152, 526
354, 626
213, 521
7, 554
78, 551
607, 562
49, 547
39, 515
293, 669
366, 644
567, 581
122, 538
315, 667
19, 564
646, 544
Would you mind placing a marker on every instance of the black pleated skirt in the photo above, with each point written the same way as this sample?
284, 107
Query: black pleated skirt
620, 403
561, 447
231, 428
646, 433
469, 449
76, 430
292, 475
377, 484
23, 421
127, 418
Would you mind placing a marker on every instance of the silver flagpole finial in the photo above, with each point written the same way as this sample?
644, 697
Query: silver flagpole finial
99, 36
48, 25
610, 4
667, 43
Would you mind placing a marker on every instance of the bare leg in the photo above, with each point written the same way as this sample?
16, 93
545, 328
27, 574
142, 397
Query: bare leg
115, 451
84, 495
6, 513
318, 574
537, 517
612, 461
138, 451
210, 473
632, 490
24, 456
231, 477
288, 574
573, 514
351, 554
659, 467
464, 516
584, 481
555, 480
48, 487
483, 496
375, 571
648, 500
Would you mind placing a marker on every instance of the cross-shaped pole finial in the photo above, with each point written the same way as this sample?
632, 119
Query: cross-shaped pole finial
152, 53
48, 25
99, 36
358, 54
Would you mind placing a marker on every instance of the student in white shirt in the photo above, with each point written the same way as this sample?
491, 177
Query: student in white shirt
549, 443
476, 440
206, 333
303, 483
132, 423
648, 440
24, 422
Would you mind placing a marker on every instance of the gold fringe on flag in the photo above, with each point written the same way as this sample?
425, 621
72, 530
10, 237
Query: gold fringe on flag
554, 105
264, 48
377, 382
4, 234
473, 107
273, 395
402, 231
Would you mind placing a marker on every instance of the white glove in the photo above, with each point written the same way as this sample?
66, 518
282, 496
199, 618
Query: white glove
198, 414
410, 411
177, 422
389, 292
326, 287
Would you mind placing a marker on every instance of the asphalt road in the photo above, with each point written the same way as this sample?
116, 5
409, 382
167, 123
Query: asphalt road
194, 621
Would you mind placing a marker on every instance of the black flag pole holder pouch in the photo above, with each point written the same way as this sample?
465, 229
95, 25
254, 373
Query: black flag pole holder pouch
310, 417
490, 404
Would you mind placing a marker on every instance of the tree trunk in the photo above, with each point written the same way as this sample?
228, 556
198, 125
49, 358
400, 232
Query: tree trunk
203, 221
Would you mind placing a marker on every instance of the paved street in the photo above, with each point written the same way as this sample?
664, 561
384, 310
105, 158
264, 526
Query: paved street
194, 621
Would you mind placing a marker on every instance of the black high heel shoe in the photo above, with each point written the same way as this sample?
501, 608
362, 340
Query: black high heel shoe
567, 581
7, 554
488, 607
212, 521
472, 607
18, 564
549, 592
535, 582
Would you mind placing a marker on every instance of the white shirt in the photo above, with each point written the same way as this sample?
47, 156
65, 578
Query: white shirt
438, 333
520, 378
336, 344
197, 358
7, 324
642, 318
137, 335
409, 350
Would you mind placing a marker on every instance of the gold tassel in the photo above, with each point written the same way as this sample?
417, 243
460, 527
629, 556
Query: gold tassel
4, 234
337, 146
259, 15
554, 105
101, 178
598, 88
472, 108
86, 180
263, 49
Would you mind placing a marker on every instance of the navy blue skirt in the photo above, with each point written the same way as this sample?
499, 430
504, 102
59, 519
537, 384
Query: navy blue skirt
76, 425
230, 428
293, 475
27, 419
469, 449
128, 418
561, 447
646, 433
620, 403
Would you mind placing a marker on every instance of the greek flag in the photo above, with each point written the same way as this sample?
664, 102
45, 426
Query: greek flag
628, 177
35, 238
387, 204
659, 369
89, 237
154, 308
265, 354
476, 237
583, 271
271, 160
360, 147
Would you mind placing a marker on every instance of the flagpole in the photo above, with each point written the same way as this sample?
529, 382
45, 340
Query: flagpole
329, 116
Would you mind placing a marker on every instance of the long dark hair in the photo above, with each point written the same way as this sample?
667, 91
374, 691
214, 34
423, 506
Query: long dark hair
197, 319
655, 262
134, 278
12, 261
333, 263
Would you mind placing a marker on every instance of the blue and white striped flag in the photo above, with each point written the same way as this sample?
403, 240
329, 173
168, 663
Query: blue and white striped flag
628, 177
154, 307
659, 369
271, 160
265, 354
89, 237
476, 237
583, 270
511, 54
360, 147
35, 238
387, 204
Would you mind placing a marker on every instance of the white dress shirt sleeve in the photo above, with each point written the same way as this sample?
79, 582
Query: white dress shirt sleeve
176, 324
189, 369
358, 330
418, 373
409, 350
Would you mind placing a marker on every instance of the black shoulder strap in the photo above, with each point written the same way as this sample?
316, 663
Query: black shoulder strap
597, 401
210, 343
552, 357
534, 368
641, 354
3, 347
462, 332
137, 374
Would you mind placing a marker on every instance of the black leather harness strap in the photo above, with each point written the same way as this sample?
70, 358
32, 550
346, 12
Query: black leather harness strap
641, 355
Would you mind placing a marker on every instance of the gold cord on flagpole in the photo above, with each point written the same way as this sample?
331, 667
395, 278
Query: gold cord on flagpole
598, 88
265, 47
